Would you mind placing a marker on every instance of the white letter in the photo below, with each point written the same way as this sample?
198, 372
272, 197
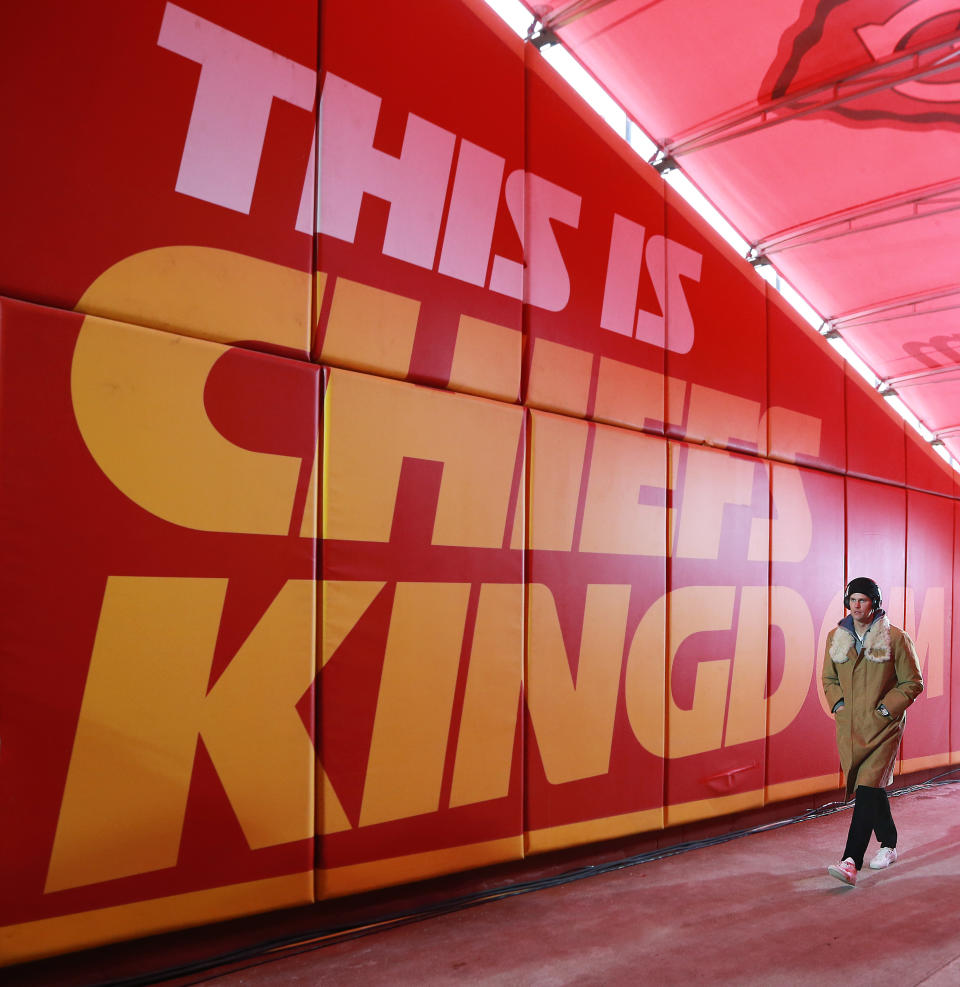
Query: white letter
415, 184
623, 276
547, 284
472, 214
675, 260
238, 83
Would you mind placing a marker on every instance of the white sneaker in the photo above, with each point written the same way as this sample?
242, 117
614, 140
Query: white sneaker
845, 871
885, 857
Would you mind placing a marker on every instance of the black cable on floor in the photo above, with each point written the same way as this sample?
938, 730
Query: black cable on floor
305, 942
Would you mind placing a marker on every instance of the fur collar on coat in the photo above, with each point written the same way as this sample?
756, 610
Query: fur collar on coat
876, 643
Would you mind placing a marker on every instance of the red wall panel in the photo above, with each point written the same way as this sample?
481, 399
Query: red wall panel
595, 632
717, 617
421, 202
594, 323
929, 622
163, 155
955, 650
716, 338
876, 447
877, 539
421, 639
536, 627
806, 416
926, 472
158, 629
807, 577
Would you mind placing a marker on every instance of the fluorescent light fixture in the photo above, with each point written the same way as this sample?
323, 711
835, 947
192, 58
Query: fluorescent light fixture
800, 304
910, 417
679, 181
517, 17
942, 452
639, 141
592, 92
769, 275
838, 343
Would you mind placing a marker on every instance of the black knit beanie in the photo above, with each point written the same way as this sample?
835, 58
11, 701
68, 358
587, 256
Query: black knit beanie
865, 586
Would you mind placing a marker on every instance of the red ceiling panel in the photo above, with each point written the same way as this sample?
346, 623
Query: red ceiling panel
826, 131
936, 400
809, 167
848, 273
907, 345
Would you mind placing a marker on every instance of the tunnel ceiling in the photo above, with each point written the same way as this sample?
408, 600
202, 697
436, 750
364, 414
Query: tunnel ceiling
828, 133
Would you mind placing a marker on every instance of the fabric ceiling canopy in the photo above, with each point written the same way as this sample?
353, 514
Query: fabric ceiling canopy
828, 133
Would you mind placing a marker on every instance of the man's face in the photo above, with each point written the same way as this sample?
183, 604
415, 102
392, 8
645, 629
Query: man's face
861, 607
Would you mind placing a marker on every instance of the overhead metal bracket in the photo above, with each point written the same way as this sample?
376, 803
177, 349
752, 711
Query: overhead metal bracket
663, 163
543, 38
828, 331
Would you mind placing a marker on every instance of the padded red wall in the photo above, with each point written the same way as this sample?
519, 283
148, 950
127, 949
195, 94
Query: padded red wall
396, 477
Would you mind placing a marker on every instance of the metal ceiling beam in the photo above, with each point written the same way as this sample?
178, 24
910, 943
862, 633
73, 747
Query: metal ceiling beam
874, 78
920, 376
945, 299
567, 13
903, 207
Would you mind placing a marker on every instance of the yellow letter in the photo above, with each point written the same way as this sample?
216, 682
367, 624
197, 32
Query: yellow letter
488, 725
371, 425
700, 728
344, 603
252, 730
410, 731
747, 713
646, 679
623, 464
711, 481
556, 469
206, 292
138, 401
573, 715
929, 637
792, 522
144, 705
719, 415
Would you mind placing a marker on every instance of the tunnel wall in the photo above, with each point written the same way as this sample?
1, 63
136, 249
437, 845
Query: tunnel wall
460, 498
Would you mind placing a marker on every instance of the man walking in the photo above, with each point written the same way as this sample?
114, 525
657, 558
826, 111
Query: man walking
870, 676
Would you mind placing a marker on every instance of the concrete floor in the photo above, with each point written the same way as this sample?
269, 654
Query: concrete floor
759, 909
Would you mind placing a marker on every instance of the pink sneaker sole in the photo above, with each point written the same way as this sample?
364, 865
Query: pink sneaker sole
841, 875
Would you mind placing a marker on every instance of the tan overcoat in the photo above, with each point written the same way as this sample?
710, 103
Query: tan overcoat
886, 671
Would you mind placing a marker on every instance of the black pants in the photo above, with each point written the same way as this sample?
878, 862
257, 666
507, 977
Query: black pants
871, 814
